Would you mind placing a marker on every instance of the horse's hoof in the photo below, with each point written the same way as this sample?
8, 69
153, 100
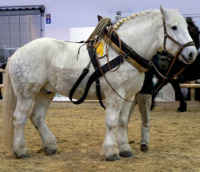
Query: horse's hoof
22, 156
182, 107
49, 151
144, 148
126, 154
181, 110
113, 157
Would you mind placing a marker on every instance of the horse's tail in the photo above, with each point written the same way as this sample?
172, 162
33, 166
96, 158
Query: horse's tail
9, 104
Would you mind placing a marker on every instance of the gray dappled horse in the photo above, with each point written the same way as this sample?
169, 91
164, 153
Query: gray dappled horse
49, 65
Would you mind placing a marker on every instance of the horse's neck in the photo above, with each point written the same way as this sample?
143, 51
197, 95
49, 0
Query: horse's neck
140, 34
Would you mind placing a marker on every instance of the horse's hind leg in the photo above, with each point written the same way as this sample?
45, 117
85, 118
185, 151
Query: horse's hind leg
42, 102
144, 103
22, 110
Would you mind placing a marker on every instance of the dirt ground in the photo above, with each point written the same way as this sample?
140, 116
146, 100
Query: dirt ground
174, 145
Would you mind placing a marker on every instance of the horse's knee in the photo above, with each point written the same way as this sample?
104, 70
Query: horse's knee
19, 120
21, 114
124, 119
36, 121
112, 121
111, 150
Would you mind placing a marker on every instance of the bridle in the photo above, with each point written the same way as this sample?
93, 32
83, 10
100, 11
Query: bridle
167, 36
166, 77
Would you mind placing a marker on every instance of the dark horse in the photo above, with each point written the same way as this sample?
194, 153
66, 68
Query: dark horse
190, 72
149, 90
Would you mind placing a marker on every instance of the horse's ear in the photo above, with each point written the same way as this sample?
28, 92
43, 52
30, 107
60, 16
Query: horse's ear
99, 17
162, 10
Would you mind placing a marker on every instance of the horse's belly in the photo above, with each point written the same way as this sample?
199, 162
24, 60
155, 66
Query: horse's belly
62, 80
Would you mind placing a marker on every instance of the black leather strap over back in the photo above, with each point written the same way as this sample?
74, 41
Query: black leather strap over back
128, 50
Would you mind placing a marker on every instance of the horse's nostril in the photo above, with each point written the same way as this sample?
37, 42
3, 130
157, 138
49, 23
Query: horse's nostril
191, 54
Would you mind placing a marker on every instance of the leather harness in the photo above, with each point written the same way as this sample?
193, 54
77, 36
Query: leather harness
125, 53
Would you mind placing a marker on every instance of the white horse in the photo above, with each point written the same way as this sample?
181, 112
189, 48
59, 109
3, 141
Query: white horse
47, 65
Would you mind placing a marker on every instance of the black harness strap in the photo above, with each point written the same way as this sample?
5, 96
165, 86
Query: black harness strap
96, 75
101, 70
125, 52
128, 50
92, 54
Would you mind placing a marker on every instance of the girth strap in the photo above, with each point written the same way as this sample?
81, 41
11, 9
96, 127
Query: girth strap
96, 75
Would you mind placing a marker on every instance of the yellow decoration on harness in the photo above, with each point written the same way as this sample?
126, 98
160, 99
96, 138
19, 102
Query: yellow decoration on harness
100, 49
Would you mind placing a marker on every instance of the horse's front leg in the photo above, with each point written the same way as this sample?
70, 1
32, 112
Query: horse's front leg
125, 113
144, 103
111, 150
182, 106
116, 140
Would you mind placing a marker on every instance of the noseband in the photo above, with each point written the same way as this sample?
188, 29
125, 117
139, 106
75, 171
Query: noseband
181, 46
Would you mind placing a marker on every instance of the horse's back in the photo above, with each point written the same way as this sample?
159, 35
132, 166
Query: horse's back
44, 61
29, 65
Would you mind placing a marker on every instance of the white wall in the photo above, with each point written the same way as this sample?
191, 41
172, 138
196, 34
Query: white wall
80, 33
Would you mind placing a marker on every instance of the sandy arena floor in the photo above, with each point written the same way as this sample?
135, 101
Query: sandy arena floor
174, 146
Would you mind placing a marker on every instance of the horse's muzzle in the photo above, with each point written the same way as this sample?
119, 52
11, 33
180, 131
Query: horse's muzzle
188, 55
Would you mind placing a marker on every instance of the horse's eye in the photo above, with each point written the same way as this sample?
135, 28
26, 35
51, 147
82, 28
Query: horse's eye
174, 27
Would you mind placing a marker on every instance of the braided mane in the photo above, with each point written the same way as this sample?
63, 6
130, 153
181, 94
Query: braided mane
128, 18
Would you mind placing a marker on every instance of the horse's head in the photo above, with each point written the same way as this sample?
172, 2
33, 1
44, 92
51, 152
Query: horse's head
177, 39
